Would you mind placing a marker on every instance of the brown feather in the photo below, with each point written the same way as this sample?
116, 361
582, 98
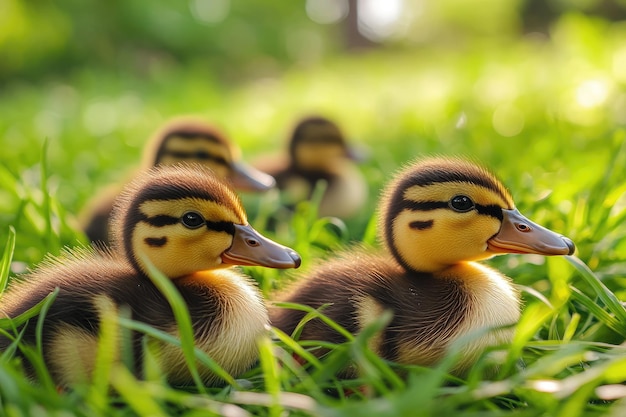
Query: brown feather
225, 306
425, 276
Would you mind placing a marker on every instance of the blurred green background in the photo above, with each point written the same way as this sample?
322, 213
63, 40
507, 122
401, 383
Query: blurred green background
533, 89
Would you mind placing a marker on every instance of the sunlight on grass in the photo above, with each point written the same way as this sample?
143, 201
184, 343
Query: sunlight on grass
546, 115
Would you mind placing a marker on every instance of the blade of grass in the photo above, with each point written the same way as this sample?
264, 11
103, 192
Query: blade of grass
532, 319
570, 330
107, 354
599, 312
288, 361
52, 243
290, 400
313, 313
269, 366
603, 187
602, 291
208, 406
15, 322
168, 338
297, 348
370, 364
33, 354
181, 314
7, 257
134, 393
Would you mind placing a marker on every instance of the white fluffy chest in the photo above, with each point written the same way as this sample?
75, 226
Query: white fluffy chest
231, 337
493, 302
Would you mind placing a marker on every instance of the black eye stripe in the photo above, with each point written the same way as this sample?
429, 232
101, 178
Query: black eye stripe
488, 210
160, 220
197, 155
423, 205
191, 135
165, 220
227, 227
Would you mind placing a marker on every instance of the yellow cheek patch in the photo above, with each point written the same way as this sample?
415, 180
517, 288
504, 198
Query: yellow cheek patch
444, 191
185, 251
450, 237
319, 155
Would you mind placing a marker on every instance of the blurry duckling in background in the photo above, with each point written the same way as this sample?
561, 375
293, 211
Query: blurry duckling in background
318, 150
183, 139
191, 226
437, 217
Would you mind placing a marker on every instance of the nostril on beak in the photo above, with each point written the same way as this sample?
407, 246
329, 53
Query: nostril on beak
570, 245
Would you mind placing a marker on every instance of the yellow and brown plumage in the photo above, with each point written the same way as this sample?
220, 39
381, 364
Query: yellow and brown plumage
192, 227
183, 139
319, 151
437, 217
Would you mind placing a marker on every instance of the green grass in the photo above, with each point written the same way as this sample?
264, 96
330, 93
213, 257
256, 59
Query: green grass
565, 169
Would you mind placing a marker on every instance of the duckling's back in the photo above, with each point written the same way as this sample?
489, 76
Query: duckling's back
356, 288
82, 277
429, 311
89, 286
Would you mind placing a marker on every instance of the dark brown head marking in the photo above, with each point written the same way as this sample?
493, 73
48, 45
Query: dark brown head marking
186, 128
164, 183
315, 130
428, 172
156, 242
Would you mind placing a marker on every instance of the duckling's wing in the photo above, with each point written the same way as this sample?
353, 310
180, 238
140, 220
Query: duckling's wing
335, 288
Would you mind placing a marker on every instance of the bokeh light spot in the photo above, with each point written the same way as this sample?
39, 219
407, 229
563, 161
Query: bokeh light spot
326, 12
210, 11
592, 93
100, 118
379, 19
546, 385
508, 120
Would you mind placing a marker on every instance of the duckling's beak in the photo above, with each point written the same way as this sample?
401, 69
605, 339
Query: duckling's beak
249, 247
520, 235
247, 178
358, 153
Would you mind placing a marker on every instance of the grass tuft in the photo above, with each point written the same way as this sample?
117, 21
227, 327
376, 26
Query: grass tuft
564, 166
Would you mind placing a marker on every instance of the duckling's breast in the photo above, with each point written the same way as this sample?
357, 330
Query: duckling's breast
226, 310
430, 312
228, 316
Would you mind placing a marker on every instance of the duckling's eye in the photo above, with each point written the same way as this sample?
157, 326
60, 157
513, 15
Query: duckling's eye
461, 203
192, 220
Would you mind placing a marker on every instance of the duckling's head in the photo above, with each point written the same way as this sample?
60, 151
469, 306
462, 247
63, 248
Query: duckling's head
184, 219
439, 212
193, 140
317, 144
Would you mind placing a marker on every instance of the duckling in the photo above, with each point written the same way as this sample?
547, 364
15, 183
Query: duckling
318, 150
179, 140
436, 219
189, 224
